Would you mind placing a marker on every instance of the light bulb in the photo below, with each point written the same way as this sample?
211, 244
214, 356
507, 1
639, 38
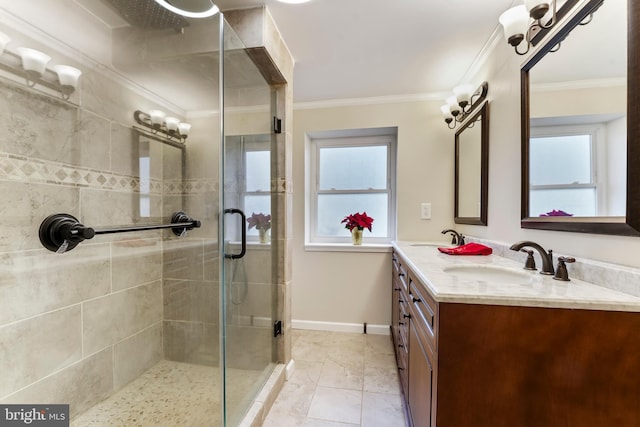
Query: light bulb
452, 102
4, 40
33, 60
67, 75
172, 123
463, 94
157, 117
184, 128
515, 22
446, 112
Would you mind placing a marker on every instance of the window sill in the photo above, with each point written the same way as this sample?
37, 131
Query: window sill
347, 247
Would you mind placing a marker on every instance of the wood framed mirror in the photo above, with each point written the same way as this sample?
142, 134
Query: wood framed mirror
472, 169
579, 173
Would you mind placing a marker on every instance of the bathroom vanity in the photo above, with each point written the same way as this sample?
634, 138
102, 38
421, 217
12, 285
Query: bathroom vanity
481, 342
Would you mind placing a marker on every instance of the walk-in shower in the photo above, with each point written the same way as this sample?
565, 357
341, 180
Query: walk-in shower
139, 277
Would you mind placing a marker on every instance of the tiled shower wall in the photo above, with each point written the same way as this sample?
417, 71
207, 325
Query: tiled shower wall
75, 327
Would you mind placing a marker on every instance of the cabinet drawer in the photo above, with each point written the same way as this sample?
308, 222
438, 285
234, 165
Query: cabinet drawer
424, 311
400, 273
402, 358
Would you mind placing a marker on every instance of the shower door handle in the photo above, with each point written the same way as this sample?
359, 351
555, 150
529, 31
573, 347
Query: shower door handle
243, 230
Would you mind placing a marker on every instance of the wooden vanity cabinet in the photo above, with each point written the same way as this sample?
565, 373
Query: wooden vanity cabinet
413, 335
487, 365
422, 356
400, 319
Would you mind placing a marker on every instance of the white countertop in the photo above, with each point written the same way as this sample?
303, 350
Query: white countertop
532, 289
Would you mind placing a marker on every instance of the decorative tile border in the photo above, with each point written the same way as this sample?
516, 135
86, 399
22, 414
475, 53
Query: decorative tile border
29, 170
25, 169
190, 187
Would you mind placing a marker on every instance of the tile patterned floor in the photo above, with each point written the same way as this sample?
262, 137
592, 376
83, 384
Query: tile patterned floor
340, 380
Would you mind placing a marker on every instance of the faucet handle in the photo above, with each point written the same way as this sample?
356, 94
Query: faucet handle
461, 240
530, 263
561, 271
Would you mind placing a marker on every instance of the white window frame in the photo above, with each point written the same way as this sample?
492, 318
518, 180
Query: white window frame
354, 138
236, 164
252, 147
598, 157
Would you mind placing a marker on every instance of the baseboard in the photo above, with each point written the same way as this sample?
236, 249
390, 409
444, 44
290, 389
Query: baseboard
357, 328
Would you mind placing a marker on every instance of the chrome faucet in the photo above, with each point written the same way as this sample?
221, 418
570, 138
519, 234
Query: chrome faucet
458, 239
547, 257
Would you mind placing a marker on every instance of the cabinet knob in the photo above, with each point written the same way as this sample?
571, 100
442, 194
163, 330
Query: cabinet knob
407, 316
416, 299
400, 274
401, 345
400, 323
396, 289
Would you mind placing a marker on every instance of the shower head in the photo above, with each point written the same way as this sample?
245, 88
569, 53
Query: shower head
148, 14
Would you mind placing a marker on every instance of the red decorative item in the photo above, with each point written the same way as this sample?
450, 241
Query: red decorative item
357, 220
468, 249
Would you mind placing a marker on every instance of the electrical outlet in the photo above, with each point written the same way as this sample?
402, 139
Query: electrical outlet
425, 211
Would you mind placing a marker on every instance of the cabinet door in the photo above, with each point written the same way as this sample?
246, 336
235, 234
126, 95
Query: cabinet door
420, 380
395, 297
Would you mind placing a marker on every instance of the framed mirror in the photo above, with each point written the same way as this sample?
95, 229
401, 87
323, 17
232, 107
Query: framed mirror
472, 169
160, 166
579, 174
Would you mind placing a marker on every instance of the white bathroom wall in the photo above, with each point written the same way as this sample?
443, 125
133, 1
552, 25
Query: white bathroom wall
330, 286
502, 70
353, 287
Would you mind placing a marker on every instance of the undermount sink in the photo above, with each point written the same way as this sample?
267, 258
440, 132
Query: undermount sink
490, 273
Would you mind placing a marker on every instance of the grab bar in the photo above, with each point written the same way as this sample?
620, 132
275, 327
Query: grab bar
62, 232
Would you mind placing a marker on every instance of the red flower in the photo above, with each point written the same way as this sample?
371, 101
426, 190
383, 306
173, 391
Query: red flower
357, 220
259, 221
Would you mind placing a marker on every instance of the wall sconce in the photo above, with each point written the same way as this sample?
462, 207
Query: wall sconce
158, 122
521, 23
462, 103
32, 65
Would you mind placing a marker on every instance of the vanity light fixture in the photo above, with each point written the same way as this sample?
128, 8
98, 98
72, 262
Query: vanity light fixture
33, 66
462, 103
158, 122
520, 23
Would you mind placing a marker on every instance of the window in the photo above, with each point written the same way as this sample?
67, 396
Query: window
351, 172
562, 176
257, 183
247, 178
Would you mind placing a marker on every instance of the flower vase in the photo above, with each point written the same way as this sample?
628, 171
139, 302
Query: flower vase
264, 235
356, 236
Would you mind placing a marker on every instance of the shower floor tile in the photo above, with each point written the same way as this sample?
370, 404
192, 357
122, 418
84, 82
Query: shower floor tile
168, 394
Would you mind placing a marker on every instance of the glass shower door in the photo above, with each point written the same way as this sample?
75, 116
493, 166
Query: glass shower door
248, 291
